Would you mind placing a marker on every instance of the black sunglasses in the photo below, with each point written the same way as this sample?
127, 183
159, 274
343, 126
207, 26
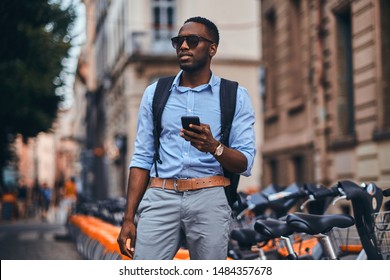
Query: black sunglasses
192, 41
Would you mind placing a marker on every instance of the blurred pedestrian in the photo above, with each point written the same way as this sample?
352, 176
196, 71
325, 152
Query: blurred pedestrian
22, 192
46, 201
9, 207
69, 196
36, 200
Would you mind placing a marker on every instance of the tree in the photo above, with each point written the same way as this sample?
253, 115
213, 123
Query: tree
34, 43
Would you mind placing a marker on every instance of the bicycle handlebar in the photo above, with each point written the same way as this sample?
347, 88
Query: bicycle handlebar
286, 195
366, 200
317, 191
386, 193
323, 192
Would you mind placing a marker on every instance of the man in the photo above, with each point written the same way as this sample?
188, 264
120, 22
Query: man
201, 217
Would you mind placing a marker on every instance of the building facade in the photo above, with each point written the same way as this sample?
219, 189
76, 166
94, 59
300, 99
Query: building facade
128, 47
326, 103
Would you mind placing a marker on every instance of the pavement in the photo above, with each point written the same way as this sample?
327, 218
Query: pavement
34, 239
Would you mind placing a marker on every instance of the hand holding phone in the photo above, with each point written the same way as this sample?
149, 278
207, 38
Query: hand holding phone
187, 120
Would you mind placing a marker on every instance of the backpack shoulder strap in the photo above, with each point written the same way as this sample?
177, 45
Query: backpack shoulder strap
228, 97
160, 98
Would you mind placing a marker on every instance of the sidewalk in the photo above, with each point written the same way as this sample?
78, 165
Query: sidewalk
33, 239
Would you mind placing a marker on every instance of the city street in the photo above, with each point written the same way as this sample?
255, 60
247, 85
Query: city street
307, 133
36, 240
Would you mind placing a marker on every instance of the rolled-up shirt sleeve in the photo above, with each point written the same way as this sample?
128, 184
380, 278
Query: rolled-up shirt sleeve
242, 135
144, 143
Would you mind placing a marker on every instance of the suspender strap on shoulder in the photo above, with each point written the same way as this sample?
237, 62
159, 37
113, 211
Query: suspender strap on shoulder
160, 98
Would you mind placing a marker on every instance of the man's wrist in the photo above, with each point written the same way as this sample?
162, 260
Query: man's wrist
219, 150
128, 219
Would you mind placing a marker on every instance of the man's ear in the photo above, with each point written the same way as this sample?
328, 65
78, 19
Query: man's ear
213, 50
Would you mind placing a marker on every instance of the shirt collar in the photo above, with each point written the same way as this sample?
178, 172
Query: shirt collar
213, 82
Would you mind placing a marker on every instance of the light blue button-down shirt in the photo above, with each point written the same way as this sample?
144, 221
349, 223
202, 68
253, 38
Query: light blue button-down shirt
179, 158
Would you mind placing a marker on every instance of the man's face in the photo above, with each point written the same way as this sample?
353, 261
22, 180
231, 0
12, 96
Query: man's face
195, 58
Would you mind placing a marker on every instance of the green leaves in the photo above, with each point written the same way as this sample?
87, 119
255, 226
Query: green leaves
34, 41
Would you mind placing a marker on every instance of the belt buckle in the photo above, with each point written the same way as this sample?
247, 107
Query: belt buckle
175, 185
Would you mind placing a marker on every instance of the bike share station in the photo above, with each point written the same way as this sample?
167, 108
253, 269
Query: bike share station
296, 223
273, 224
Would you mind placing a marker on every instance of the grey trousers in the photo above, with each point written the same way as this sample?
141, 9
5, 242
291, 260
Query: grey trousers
167, 218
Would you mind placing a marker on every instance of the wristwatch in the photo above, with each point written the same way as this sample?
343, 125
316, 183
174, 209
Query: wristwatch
219, 150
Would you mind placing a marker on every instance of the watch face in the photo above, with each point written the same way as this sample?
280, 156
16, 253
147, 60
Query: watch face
219, 150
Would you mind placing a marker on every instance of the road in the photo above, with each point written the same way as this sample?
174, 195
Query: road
33, 239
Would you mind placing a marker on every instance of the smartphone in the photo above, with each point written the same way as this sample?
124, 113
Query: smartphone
187, 120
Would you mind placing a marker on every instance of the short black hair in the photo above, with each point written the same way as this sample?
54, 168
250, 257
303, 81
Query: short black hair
211, 27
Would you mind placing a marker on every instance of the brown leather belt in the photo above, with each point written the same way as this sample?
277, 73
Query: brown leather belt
182, 185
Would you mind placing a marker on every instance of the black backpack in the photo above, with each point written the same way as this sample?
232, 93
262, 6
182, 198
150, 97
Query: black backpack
228, 94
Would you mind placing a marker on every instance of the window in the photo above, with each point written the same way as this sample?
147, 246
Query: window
273, 164
263, 85
385, 56
299, 169
163, 13
295, 49
270, 98
345, 100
